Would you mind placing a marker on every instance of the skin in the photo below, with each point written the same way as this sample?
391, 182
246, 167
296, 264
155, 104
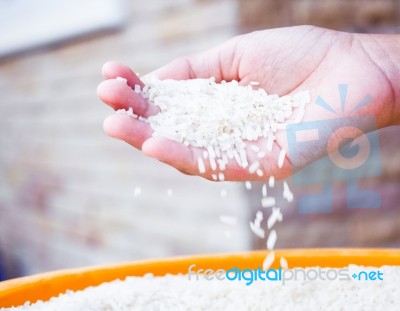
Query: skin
284, 61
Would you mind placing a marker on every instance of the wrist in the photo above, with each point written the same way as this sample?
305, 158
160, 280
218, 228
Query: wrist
384, 53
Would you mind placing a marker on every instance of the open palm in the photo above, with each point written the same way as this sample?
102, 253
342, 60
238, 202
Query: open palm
284, 61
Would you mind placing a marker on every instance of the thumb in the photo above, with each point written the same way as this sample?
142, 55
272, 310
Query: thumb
218, 62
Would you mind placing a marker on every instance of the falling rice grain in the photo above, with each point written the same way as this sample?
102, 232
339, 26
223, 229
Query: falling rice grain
259, 218
271, 240
271, 181
257, 230
275, 216
287, 194
284, 263
248, 185
268, 202
264, 190
269, 260
201, 166
281, 157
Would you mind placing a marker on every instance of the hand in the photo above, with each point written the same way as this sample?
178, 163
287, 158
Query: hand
284, 61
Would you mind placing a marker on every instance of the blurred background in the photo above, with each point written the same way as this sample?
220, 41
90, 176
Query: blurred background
70, 196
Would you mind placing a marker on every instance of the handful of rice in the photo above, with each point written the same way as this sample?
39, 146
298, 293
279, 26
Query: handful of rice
219, 117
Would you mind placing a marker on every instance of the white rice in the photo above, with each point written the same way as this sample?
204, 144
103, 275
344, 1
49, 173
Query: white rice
287, 194
213, 164
254, 167
264, 190
259, 218
255, 148
276, 216
220, 117
257, 230
129, 112
269, 260
261, 155
221, 164
268, 202
121, 79
210, 152
270, 141
271, 181
281, 157
201, 166
177, 292
271, 240
284, 263
300, 115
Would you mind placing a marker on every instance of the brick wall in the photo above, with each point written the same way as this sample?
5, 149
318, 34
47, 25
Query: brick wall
353, 15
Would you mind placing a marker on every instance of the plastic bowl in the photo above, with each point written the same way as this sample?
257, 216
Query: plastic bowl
44, 286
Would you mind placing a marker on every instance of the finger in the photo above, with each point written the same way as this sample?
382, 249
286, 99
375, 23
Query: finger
118, 95
185, 159
113, 69
128, 129
178, 69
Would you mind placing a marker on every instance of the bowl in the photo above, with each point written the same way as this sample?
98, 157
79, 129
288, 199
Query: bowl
43, 286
